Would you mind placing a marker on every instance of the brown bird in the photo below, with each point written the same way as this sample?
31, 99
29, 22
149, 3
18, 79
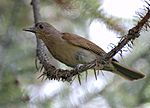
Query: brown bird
73, 50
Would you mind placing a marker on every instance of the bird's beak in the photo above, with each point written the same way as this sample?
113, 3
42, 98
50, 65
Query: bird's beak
31, 29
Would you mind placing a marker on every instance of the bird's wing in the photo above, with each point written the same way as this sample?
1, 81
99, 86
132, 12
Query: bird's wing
82, 42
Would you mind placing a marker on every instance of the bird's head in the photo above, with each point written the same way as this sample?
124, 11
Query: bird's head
41, 29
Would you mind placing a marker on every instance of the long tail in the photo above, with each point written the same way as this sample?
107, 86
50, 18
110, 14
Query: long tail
126, 72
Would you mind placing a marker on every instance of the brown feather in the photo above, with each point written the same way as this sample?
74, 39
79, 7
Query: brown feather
83, 43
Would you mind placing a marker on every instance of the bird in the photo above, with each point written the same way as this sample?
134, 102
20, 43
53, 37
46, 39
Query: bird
72, 50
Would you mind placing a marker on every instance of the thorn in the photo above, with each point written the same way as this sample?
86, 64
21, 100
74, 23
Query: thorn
148, 8
95, 73
130, 45
36, 64
79, 79
70, 82
73, 79
128, 48
41, 75
46, 78
148, 25
31, 3
147, 2
124, 50
43, 78
41, 68
86, 74
121, 55
102, 73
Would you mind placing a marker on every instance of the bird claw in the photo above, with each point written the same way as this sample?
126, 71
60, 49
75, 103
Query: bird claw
99, 66
78, 67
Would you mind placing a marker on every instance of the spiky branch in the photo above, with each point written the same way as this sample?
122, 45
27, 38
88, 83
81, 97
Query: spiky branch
66, 75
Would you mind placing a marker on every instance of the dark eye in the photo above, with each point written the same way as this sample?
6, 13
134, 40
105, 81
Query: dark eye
41, 26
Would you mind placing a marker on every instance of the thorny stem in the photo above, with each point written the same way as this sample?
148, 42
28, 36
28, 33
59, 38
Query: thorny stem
67, 75
40, 51
132, 34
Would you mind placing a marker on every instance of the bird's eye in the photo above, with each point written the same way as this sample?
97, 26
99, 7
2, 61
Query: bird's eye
41, 26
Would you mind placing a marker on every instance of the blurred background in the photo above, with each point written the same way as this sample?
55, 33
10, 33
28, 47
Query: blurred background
101, 21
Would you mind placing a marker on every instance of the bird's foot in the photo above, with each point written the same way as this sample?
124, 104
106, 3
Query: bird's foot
77, 68
98, 66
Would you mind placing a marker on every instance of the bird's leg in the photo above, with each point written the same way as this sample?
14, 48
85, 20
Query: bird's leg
99, 65
96, 68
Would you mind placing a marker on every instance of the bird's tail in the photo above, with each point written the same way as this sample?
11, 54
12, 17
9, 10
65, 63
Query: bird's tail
126, 72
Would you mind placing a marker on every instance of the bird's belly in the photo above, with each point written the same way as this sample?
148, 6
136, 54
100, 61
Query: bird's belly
72, 55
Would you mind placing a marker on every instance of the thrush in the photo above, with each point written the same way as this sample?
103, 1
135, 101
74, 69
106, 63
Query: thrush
73, 50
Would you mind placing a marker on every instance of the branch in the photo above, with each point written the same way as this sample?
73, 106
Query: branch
66, 75
133, 33
40, 50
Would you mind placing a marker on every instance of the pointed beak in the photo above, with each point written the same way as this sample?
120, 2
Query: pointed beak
31, 29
